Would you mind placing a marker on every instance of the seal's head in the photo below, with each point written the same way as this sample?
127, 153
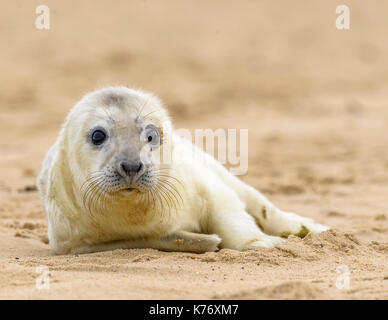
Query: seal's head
114, 138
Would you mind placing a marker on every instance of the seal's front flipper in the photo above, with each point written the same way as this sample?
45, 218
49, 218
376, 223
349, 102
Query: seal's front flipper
185, 241
182, 241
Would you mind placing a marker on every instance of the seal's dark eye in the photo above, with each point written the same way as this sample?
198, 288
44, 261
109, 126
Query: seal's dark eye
98, 137
152, 134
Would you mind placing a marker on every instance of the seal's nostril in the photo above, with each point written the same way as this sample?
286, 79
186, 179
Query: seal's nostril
130, 168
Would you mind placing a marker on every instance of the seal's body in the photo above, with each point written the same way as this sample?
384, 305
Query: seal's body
104, 187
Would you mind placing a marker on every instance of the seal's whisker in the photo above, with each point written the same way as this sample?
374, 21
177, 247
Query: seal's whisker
159, 200
168, 203
174, 193
91, 177
173, 187
165, 191
170, 177
151, 193
99, 195
105, 200
165, 167
150, 198
90, 189
109, 115
142, 108
87, 189
92, 195
170, 188
89, 197
148, 114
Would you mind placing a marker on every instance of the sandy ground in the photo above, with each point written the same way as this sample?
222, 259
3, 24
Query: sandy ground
313, 98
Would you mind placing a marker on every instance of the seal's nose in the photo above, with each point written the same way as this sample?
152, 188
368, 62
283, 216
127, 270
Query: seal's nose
130, 168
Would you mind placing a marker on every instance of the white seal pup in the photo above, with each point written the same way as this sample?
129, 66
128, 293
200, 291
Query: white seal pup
102, 187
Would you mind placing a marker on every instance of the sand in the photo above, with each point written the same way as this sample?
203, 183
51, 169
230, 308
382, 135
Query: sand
313, 98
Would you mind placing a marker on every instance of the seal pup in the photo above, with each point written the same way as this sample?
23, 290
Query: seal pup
102, 187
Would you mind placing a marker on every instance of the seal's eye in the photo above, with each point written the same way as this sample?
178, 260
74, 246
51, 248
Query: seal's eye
98, 137
152, 134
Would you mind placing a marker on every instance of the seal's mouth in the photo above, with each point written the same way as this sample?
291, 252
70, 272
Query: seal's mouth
127, 190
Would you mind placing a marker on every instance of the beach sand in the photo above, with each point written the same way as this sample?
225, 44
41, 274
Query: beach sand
313, 98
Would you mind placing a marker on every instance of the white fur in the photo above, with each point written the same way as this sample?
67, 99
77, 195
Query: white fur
216, 207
